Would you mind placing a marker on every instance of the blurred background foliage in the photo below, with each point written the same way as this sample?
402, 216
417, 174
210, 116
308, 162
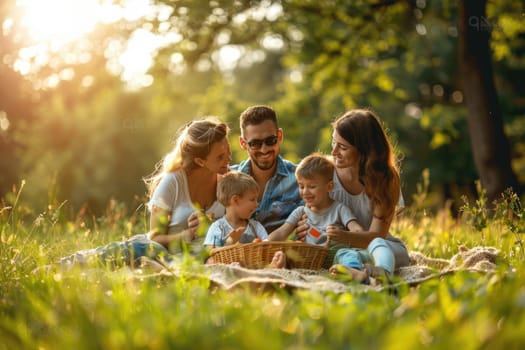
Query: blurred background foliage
84, 119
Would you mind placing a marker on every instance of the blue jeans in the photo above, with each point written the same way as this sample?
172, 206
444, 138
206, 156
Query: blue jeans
378, 252
117, 254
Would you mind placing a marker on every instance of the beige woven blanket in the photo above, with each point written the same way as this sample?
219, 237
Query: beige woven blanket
421, 269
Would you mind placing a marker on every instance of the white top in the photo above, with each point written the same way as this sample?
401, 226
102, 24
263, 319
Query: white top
219, 231
359, 203
172, 194
336, 215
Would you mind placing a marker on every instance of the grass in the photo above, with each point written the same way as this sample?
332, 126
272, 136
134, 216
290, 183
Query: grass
102, 308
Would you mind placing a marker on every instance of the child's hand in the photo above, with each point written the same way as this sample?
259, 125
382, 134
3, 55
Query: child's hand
235, 235
302, 228
337, 234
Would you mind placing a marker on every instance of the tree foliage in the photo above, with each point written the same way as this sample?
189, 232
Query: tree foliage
311, 60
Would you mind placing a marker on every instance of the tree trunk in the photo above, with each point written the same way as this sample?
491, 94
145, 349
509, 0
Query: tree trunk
490, 146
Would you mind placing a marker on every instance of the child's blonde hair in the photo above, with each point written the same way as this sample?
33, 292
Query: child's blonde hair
234, 183
315, 164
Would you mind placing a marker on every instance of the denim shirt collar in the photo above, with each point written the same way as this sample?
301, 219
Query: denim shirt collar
246, 167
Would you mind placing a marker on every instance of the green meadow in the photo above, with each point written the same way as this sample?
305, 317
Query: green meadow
105, 308
93, 92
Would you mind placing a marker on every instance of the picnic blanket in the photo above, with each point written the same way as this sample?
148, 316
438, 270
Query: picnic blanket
422, 268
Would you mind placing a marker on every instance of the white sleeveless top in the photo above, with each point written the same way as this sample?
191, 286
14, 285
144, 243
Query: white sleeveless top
359, 203
172, 194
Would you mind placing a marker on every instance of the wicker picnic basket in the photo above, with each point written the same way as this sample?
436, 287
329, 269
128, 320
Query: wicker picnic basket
258, 255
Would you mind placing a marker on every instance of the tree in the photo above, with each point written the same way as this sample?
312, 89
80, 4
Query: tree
489, 144
15, 104
311, 60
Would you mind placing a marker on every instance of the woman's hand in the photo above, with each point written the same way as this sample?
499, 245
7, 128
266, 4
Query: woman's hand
338, 234
193, 225
302, 228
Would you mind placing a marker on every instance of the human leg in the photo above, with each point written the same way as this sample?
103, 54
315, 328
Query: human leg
278, 260
115, 254
349, 257
399, 250
349, 261
382, 255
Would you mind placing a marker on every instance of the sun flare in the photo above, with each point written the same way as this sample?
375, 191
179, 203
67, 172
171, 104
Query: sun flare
59, 21
54, 27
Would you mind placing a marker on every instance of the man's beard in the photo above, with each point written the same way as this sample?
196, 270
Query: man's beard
264, 165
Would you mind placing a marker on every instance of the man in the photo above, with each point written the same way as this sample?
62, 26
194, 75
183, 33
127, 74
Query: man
261, 138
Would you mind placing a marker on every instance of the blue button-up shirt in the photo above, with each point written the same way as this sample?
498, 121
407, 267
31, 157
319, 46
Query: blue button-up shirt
280, 197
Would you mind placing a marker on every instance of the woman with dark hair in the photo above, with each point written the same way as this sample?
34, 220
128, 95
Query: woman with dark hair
367, 180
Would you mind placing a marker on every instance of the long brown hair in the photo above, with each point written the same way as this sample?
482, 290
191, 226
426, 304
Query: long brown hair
378, 165
194, 141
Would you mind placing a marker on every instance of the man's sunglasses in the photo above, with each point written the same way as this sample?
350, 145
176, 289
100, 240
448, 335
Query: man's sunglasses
269, 141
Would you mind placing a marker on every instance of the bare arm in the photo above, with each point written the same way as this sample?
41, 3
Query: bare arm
359, 238
235, 235
159, 221
233, 238
354, 226
282, 233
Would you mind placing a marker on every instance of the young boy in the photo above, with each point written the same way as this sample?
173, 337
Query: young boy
315, 178
238, 192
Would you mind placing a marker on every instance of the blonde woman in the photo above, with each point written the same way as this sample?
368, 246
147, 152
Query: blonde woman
186, 182
183, 186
